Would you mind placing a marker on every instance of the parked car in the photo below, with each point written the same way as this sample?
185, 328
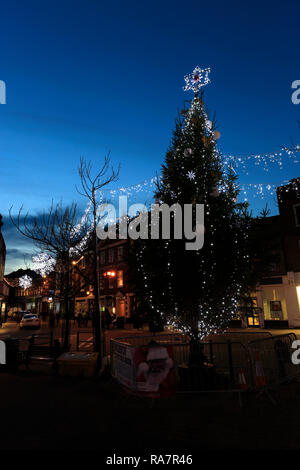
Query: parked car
20, 314
25, 312
30, 321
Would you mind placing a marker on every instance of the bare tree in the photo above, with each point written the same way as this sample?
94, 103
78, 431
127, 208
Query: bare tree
91, 185
55, 232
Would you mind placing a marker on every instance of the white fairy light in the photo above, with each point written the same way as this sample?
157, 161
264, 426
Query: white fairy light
84, 224
84, 220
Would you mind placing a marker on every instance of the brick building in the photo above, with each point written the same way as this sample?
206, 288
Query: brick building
115, 292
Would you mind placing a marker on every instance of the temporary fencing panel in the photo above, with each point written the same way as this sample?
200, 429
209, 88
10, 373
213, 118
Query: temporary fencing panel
271, 360
263, 362
225, 366
242, 336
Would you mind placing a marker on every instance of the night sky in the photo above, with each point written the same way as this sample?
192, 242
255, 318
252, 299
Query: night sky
85, 77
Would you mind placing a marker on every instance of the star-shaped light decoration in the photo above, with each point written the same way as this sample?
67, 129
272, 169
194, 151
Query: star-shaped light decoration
199, 78
43, 264
191, 175
25, 282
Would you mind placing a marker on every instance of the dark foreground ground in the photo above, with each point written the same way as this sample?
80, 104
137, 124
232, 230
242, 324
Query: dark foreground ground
42, 412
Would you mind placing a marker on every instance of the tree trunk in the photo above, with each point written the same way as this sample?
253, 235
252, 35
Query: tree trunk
67, 309
196, 356
97, 312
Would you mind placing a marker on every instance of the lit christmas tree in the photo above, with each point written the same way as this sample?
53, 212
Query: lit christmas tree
197, 291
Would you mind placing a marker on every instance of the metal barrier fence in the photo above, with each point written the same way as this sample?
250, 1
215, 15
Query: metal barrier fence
271, 360
138, 341
24, 344
244, 336
144, 340
42, 339
226, 365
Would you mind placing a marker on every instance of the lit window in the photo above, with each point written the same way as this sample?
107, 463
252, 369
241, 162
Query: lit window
120, 278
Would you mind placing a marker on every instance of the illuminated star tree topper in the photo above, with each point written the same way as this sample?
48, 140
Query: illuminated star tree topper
197, 79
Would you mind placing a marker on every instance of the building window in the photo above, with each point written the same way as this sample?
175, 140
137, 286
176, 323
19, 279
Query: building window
111, 255
297, 214
276, 310
274, 303
102, 257
111, 283
120, 253
274, 266
120, 278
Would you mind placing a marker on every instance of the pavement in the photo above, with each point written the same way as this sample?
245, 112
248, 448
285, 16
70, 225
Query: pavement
47, 412
57, 413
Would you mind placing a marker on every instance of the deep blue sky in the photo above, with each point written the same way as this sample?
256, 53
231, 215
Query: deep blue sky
84, 77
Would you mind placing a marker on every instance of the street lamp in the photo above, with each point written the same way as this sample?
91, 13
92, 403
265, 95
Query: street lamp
110, 274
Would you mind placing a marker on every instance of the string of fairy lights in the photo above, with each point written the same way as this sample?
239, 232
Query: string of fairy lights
241, 164
262, 190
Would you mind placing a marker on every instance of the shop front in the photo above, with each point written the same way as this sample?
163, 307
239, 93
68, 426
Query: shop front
281, 301
84, 305
4, 293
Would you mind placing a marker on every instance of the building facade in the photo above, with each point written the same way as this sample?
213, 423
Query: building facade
277, 298
115, 292
4, 287
38, 298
